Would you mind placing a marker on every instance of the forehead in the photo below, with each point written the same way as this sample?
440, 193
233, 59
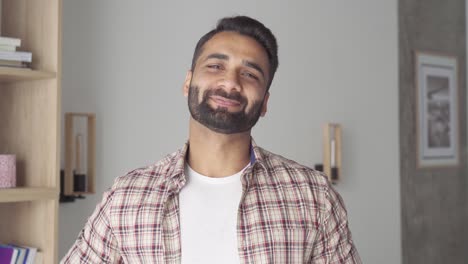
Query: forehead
237, 46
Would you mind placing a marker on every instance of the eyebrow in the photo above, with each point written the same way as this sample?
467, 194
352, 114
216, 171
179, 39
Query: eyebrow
254, 65
217, 56
247, 63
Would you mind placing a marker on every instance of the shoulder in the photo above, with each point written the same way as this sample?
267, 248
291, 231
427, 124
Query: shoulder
147, 179
302, 186
288, 170
140, 191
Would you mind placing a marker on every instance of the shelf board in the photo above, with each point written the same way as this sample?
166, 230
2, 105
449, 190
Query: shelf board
23, 194
10, 74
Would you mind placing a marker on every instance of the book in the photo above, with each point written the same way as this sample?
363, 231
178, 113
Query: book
10, 41
8, 254
16, 56
21, 255
15, 64
30, 256
25, 255
38, 258
7, 48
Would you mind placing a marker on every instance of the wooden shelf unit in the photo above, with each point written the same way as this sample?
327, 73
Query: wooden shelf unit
23, 194
8, 74
30, 126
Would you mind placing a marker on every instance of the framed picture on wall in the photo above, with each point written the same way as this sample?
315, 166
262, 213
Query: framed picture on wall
437, 110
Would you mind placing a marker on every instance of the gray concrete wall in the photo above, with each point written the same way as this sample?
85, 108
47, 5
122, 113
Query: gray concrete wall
433, 201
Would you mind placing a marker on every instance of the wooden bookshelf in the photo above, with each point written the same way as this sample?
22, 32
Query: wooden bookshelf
30, 126
27, 194
9, 74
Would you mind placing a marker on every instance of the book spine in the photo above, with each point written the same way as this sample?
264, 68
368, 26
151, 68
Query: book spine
10, 41
16, 56
7, 48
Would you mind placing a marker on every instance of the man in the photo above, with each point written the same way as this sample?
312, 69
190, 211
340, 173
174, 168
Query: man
221, 198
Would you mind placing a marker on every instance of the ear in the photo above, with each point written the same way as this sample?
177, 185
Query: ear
188, 80
265, 104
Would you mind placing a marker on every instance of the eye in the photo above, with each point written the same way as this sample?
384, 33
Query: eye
214, 66
250, 75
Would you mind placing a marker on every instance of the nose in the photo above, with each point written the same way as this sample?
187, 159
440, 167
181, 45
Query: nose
230, 81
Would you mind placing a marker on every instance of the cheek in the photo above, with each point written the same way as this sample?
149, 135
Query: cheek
254, 102
201, 90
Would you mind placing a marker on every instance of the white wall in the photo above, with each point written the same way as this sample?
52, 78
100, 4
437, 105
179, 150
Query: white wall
126, 61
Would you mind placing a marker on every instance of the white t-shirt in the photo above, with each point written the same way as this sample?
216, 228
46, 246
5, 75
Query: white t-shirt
208, 218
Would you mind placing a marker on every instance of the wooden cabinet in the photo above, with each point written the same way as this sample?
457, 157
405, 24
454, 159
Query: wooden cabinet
30, 126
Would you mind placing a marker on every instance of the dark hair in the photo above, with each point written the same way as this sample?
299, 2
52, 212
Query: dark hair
249, 27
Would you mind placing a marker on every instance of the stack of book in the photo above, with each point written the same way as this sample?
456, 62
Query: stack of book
10, 57
12, 254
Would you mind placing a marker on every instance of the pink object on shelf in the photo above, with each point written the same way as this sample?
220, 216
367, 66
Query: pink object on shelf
7, 171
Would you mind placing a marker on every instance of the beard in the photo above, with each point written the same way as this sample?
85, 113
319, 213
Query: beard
220, 119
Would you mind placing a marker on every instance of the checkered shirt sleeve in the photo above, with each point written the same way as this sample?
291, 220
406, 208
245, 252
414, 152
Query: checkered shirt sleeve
95, 243
334, 244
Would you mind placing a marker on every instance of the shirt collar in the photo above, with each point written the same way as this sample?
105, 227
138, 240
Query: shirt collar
177, 177
256, 153
177, 164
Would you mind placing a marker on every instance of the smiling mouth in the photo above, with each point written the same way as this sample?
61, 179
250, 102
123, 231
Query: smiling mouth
225, 102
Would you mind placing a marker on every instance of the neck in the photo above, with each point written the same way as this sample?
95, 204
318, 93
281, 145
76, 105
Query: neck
217, 155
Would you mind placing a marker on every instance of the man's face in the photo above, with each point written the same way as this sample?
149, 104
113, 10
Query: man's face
227, 88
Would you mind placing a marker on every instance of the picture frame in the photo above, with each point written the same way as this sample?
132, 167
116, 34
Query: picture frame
438, 125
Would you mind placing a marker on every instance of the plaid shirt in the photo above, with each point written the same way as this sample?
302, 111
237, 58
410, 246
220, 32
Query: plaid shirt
288, 214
